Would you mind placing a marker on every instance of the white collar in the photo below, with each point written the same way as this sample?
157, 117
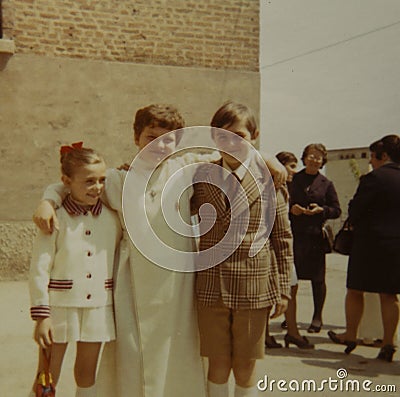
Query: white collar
240, 171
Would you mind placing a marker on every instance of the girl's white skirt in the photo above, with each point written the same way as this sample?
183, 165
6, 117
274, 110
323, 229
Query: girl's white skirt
88, 324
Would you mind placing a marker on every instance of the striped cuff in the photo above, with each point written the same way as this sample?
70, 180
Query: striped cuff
109, 283
40, 312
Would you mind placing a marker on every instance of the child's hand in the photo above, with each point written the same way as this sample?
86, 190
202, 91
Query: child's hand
44, 332
45, 217
280, 307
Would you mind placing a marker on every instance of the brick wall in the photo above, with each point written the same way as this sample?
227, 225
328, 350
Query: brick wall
204, 33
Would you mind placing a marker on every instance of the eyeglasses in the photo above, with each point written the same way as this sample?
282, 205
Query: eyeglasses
314, 158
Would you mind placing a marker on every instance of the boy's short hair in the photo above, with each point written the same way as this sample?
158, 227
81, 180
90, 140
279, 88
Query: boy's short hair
231, 112
286, 157
320, 148
158, 115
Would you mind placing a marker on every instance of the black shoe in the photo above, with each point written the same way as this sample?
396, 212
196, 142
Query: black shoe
350, 345
301, 343
386, 353
271, 343
314, 329
284, 324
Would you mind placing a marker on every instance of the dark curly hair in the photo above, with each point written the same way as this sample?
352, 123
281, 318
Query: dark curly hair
316, 146
158, 115
286, 157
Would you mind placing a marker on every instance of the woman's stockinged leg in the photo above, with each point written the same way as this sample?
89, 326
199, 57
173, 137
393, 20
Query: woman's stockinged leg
354, 306
319, 294
291, 313
390, 317
87, 355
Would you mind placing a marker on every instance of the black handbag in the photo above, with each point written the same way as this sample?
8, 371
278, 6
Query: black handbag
344, 239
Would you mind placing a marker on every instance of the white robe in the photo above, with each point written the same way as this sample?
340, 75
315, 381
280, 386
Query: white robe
156, 352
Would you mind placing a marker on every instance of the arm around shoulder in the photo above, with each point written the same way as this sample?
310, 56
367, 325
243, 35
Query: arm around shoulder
112, 194
44, 216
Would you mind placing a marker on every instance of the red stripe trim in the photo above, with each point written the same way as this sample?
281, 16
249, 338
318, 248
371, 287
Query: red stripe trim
96, 209
109, 283
71, 207
60, 288
75, 209
39, 312
60, 284
57, 280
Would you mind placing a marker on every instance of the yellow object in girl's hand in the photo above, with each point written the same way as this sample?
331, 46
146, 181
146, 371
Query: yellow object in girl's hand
44, 384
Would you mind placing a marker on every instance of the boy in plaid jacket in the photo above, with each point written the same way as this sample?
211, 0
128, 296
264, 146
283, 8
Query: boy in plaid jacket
243, 279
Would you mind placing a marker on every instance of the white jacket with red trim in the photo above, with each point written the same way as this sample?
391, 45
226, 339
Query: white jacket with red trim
73, 267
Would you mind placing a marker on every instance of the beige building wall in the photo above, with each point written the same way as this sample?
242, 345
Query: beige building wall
65, 84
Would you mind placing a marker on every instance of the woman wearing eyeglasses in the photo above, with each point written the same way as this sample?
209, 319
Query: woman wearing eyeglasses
313, 200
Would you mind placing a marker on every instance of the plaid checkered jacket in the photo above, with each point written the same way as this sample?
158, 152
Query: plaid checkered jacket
242, 280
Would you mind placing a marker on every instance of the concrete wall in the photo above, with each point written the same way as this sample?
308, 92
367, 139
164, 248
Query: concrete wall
45, 102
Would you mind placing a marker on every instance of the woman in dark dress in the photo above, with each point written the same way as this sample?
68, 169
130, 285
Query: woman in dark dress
313, 200
374, 263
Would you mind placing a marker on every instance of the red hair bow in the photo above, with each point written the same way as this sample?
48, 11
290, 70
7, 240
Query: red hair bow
74, 146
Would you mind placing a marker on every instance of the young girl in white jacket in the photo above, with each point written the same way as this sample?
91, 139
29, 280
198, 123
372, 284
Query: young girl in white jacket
71, 274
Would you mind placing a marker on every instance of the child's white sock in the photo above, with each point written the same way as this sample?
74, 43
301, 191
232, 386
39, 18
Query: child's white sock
86, 391
217, 390
245, 391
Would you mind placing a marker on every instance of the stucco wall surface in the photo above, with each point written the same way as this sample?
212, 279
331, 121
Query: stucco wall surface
15, 249
46, 102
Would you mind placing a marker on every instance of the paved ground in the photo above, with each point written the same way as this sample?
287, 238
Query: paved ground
18, 351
